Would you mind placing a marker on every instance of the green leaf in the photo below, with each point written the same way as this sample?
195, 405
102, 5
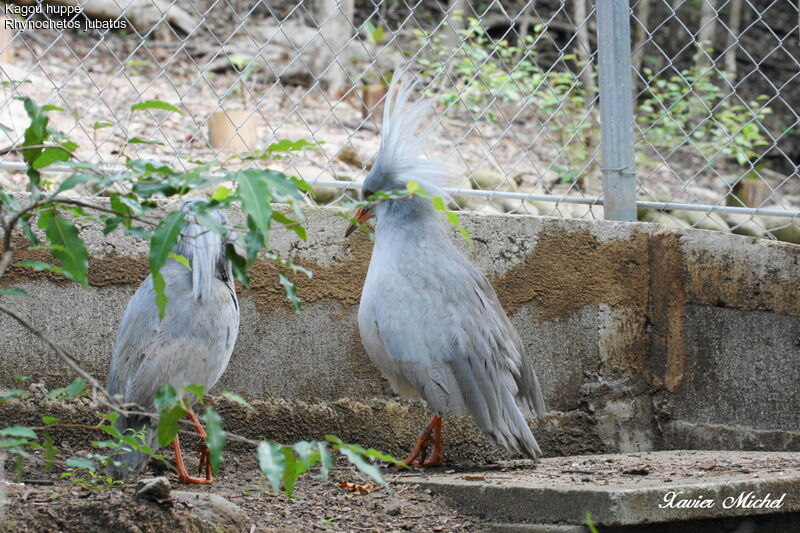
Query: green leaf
35, 133
163, 240
326, 459
166, 397
364, 466
238, 264
47, 420
18, 431
155, 104
100, 125
66, 245
286, 145
50, 156
256, 200
73, 181
70, 391
13, 291
292, 471
139, 140
221, 193
271, 151
14, 393
50, 452
590, 524
283, 189
272, 463
237, 399
180, 259
291, 291
13, 443
215, 438
308, 452
290, 224
198, 391
168, 424
81, 463
160, 289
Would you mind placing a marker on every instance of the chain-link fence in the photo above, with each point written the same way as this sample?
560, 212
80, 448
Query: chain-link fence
517, 87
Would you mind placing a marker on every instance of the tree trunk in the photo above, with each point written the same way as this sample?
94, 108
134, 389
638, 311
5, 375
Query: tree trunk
335, 19
455, 21
734, 25
584, 50
640, 36
707, 32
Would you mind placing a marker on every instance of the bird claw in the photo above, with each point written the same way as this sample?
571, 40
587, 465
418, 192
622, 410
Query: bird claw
417, 457
203, 467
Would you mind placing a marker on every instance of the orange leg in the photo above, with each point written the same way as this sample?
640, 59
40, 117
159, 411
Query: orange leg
205, 463
433, 433
183, 475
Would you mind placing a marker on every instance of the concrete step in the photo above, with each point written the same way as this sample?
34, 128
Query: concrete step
624, 490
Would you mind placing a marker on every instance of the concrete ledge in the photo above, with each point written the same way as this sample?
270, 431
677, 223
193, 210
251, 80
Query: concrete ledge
626, 490
623, 322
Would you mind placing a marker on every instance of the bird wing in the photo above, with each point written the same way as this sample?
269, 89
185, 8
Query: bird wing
187, 347
444, 333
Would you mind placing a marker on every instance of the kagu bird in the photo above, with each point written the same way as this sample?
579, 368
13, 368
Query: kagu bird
428, 317
191, 345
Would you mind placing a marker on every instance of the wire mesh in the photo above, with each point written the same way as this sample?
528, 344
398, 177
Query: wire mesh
513, 83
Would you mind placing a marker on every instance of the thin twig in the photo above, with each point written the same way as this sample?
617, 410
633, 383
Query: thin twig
67, 358
17, 149
78, 203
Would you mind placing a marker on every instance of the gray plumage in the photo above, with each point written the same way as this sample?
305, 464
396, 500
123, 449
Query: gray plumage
191, 345
428, 317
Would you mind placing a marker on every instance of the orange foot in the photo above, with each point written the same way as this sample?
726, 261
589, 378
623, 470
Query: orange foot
183, 475
433, 433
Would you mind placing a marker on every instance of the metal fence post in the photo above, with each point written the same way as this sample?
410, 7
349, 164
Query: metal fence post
616, 109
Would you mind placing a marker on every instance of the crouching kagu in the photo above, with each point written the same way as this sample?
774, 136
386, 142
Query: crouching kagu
192, 344
428, 317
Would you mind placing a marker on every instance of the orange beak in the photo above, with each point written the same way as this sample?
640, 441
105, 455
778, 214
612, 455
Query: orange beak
362, 215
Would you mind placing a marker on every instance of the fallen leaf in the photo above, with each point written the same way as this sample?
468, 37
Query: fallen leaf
357, 488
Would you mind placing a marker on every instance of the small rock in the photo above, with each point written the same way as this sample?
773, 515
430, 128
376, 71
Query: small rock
638, 471
464, 202
487, 179
489, 209
517, 207
313, 175
223, 514
154, 489
745, 224
702, 220
657, 217
350, 156
710, 464
589, 212
783, 228
393, 508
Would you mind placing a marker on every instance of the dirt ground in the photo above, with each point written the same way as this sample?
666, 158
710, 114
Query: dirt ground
44, 502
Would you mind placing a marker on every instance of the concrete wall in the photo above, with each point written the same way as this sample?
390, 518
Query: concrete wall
642, 337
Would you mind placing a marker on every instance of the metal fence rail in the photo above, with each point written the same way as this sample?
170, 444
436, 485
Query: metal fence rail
528, 96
